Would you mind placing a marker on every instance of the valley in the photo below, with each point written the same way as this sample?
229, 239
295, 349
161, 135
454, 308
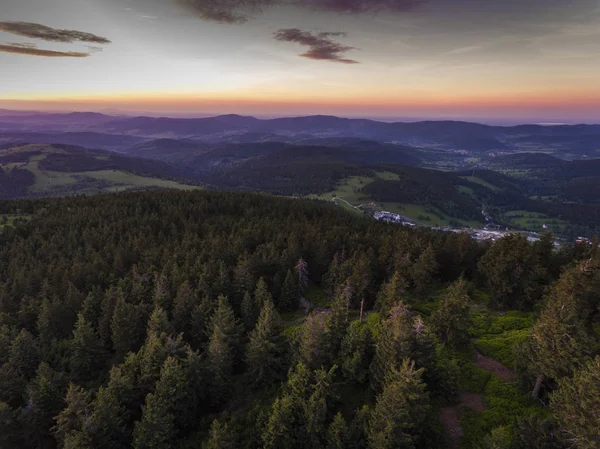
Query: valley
438, 174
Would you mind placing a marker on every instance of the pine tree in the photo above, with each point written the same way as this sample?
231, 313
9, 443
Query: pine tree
512, 272
396, 342
243, 275
107, 426
161, 296
357, 352
338, 435
424, 269
289, 293
311, 347
561, 337
262, 293
86, 355
391, 293
45, 396
165, 409
159, 323
278, 433
249, 311
24, 355
498, 438
92, 308
73, 418
221, 436
264, 357
126, 328
302, 273
576, 405
200, 322
317, 405
224, 319
399, 411
451, 319
220, 361
335, 326
184, 304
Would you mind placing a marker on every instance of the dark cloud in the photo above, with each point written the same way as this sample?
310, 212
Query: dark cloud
38, 31
226, 11
361, 6
239, 11
321, 46
31, 50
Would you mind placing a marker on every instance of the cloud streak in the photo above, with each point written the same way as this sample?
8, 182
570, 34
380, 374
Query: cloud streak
226, 11
46, 33
239, 11
32, 50
362, 6
321, 46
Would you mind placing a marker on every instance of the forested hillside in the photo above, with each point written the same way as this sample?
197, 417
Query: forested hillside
228, 320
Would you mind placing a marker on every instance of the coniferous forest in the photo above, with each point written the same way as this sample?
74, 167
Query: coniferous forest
215, 320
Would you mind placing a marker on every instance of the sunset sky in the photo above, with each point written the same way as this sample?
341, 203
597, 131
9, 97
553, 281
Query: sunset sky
523, 60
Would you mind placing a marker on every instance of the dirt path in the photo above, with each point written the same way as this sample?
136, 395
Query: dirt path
494, 367
451, 421
450, 416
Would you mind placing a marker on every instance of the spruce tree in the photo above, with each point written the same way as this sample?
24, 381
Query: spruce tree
288, 299
424, 269
86, 355
396, 342
391, 293
126, 328
400, 410
165, 409
576, 405
451, 319
249, 312
220, 437
73, 418
278, 432
184, 304
264, 354
356, 352
338, 434
312, 350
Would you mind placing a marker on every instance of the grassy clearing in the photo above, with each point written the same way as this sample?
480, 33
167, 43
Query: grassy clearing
317, 297
534, 221
496, 335
388, 176
126, 180
348, 189
480, 181
11, 220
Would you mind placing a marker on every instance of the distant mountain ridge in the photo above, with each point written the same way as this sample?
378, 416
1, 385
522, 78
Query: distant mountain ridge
568, 140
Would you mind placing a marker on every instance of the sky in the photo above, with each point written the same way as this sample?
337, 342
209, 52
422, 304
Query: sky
515, 60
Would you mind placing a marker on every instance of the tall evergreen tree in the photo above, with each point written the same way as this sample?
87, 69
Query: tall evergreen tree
400, 410
165, 408
86, 355
288, 300
220, 437
451, 319
183, 306
396, 342
391, 293
338, 435
126, 328
264, 354
424, 270
576, 405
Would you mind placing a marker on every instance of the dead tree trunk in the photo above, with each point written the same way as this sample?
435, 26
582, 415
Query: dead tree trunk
538, 386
